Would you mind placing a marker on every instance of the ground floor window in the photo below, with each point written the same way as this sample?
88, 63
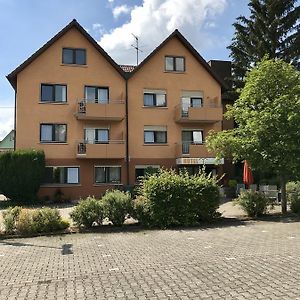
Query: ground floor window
108, 174
61, 175
142, 170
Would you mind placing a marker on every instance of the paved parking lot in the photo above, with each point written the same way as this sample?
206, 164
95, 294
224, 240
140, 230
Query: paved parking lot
255, 260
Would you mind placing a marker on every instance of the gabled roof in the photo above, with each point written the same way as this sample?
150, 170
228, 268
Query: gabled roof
194, 52
12, 77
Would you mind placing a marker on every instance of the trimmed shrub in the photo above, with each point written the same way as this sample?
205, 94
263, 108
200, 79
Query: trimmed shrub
253, 203
24, 223
142, 210
177, 199
47, 220
293, 196
28, 221
10, 217
87, 212
21, 173
117, 205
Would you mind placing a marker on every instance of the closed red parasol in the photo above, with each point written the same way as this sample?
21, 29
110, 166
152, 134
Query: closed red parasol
247, 175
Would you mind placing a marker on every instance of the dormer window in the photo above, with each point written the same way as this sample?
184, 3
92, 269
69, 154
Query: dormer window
175, 64
72, 56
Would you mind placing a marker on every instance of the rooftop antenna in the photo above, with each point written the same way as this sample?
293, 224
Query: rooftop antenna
136, 47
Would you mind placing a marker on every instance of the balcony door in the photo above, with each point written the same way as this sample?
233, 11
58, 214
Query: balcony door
191, 137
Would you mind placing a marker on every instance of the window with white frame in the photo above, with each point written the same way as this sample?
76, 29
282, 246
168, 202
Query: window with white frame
61, 175
155, 134
53, 133
155, 98
96, 135
108, 174
175, 64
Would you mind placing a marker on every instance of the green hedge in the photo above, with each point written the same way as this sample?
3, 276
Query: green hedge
21, 173
167, 198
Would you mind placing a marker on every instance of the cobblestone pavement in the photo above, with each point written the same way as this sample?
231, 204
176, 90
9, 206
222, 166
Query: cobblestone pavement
255, 260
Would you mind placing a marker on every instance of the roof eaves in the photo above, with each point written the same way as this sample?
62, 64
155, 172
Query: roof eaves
188, 45
12, 77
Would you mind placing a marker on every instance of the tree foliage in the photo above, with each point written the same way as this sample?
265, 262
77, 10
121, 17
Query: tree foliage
267, 114
21, 173
271, 29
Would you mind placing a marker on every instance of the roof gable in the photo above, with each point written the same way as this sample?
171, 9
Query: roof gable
12, 77
189, 47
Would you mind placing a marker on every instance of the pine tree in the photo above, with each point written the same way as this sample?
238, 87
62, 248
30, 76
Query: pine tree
273, 29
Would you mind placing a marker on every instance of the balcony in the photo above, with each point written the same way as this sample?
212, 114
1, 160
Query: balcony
113, 149
195, 154
190, 149
90, 110
210, 113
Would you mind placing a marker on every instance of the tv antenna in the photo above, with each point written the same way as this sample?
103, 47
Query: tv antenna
136, 47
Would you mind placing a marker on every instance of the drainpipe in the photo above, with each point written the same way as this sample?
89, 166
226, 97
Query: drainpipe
15, 121
127, 133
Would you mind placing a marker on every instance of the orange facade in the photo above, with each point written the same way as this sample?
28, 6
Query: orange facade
101, 126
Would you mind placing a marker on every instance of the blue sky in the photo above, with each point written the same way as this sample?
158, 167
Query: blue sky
25, 25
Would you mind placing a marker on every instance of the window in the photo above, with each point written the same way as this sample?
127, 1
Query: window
155, 98
96, 94
96, 136
53, 133
190, 99
145, 170
107, 174
61, 175
189, 137
155, 135
192, 136
53, 93
74, 56
174, 64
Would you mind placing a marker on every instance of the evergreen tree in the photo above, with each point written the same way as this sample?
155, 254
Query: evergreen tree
273, 29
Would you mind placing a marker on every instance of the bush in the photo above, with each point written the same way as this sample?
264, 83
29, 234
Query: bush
21, 173
177, 199
117, 205
26, 221
47, 220
253, 203
142, 210
10, 218
87, 212
293, 196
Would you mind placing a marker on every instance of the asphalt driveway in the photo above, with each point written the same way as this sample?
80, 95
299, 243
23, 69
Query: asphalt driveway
251, 260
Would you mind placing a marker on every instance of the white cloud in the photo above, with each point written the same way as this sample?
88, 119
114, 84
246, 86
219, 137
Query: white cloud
119, 10
110, 1
99, 28
6, 121
154, 20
